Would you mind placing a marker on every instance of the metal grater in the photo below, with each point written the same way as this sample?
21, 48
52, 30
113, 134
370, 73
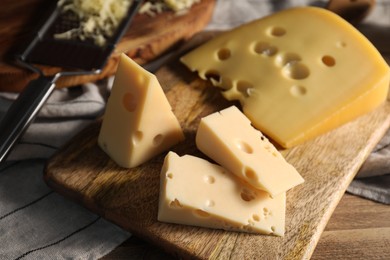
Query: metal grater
75, 56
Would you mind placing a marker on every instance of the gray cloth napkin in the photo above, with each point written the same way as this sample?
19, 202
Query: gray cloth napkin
37, 223
373, 179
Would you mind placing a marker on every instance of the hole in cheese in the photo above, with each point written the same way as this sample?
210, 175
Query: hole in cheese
277, 31
201, 213
296, 71
328, 61
271, 150
264, 48
248, 227
246, 195
137, 137
223, 54
297, 90
129, 102
175, 204
213, 75
157, 140
249, 173
245, 88
210, 203
170, 175
341, 44
256, 217
287, 59
226, 224
209, 179
273, 228
243, 146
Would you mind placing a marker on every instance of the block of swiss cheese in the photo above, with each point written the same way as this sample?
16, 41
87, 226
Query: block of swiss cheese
229, 139
138, 122
196, 192
297, 73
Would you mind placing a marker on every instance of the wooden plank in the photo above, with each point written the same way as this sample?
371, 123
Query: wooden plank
371, 242
129, 197
347, 244
358, 229
356, 213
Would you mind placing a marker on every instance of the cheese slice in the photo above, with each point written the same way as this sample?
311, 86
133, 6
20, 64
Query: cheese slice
297, 73
138, 122
228, 138
196, 192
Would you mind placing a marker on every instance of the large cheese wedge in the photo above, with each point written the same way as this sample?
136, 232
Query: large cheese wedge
196, 192
228, 138
297, 73
138, 122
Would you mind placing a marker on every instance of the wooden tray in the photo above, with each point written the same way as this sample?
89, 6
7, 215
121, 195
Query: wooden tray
129, 197
147, 38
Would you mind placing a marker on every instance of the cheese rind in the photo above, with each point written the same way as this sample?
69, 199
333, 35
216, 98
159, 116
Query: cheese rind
228, 138
138, 122
297, 73
196, 192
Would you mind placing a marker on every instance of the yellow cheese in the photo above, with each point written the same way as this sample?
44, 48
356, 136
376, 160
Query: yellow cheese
196, 192
138, 122
297, 73
228, 138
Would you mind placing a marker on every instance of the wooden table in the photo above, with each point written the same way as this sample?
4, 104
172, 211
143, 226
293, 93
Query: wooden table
358, 229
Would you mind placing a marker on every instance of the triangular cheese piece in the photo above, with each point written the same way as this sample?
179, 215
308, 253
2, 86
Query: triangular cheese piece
196, 192
228, 138
138, 122
297, 73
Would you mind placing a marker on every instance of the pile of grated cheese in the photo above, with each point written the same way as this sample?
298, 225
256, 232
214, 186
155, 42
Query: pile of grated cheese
178, 6
100, 18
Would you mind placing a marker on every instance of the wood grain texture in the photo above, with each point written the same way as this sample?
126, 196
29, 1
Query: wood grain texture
129, 197
147, 38
358, 229
346, 244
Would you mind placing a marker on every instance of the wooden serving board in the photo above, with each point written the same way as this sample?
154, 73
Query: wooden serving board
147, 38
129, 197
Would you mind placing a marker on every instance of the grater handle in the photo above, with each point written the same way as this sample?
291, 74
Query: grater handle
22, 112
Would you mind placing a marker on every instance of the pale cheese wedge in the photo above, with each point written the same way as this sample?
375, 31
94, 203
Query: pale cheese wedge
138, 122
196, 192
229, 139
297, 73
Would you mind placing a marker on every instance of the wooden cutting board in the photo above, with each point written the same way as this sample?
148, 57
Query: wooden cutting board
129, 197
147, 38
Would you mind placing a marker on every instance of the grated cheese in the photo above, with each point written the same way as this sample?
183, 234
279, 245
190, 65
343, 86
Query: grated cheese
179, 5
100, 18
